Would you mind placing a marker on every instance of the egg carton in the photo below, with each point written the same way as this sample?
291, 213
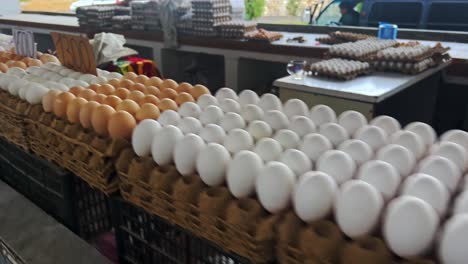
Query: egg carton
360, 50
210, 4
339, 69
404, 67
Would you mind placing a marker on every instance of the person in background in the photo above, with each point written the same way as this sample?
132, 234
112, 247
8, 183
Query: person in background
349, 17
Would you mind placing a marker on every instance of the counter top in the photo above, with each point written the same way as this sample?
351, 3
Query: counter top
372, 88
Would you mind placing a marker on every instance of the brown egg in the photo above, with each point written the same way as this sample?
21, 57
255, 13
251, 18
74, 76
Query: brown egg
169, 83
147, 111
114, 82
199, 90
153, 81
128, 105
18, 58
61, 102
168, 93
112, 100
122, 93
126, 83
138, 87
184, 88
183, 98
20, 64
26, 60
76, 90
153, 90
136, 96
3, 67
49, 58
141, 79
87, 94
48, 100
10, 63
100, 118
34, 62
86, 113
149, 99
130, 75
74, 108
99, 98
94, 86
167, 104
121, 125
106, 89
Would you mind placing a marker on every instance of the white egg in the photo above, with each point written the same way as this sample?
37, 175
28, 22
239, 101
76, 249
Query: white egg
456, 136
213, 133
74, 75
14, 86
358, 208
66, 81
80, 83
425, 131
374, 136
211, 115
295, 107
314, 145
269, 102
189, 109
358, 150
238, 140
251, 113
429, 189
276, 119
453, 241
224, 93
409, 140
322, 114
35, 70
274, 186
35, 92
442, 169
461, 203
55, 77
186, 153
143, 135
230, 105
268, 149
334, 132
56, 86
101, 80
352, 121
383, 176
49, 75
232, 121
50, 66
259, 129
22, 92
314, 196
190, 125
399, 157
410, 225
169, 117
287, 138
212, 164
16, 71
297, 161
242, 173
453, 152
248, 97
389, 124
302, 125
114, 75
163, 144
206, 100
65, 72
337, 164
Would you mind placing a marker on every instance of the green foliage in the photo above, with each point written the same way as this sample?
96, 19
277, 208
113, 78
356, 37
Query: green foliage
254, 8
293, 7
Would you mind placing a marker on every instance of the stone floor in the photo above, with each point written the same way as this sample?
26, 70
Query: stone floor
38, 238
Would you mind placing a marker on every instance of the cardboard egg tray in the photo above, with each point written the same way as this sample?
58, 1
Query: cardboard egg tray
334, 51
12, 113
236, 28
404, 67
242, 226
210, 4
316, 70
434, 51
349, 36
263, 35
87, 155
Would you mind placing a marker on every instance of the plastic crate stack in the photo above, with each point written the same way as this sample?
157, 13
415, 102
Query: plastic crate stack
146, 15
208, 15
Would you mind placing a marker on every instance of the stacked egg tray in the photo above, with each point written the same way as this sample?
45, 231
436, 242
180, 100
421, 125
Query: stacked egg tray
12, 113
207, 15
362, 50
123, 22
146, 15
83, 152
242, 227
236, 28
339, 69
95, 17
404, 67
339, 37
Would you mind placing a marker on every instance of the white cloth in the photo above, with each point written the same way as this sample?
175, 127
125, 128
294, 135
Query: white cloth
110, 47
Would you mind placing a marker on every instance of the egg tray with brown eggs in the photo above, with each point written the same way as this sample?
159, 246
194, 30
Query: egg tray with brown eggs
98, 129
402, 67
241, 226
10, 59
413, 53
339, 69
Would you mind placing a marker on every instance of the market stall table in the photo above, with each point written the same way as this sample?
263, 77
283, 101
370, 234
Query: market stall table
406, 97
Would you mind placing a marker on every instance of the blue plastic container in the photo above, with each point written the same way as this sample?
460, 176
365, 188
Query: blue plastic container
388, 31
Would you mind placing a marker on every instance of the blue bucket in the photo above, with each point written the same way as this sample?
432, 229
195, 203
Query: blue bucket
388, 31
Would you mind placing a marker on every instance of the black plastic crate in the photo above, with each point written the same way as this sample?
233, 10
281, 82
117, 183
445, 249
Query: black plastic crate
145, 238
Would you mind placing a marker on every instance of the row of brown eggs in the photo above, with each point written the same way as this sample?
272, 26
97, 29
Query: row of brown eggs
10, 60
